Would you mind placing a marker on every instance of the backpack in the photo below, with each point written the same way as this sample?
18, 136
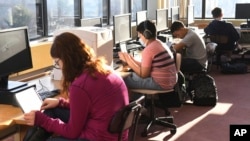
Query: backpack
234, 68
175, 98
205, 90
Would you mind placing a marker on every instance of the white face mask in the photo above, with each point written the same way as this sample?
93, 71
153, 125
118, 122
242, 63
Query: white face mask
142, 43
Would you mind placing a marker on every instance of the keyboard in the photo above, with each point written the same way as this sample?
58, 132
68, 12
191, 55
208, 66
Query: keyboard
133, 46
166, 32
116, 66
48, 94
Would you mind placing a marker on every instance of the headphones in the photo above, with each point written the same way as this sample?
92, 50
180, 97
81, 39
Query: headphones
147, 33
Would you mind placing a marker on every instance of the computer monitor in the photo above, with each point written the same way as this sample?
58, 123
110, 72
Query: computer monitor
15, 55
175, 13
122, 28
161, 19
190, 14
91, 22
141, 16
242, 12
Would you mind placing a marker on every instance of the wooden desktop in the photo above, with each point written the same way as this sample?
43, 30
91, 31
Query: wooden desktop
11, 119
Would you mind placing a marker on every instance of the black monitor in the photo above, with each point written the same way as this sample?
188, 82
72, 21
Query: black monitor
190, 14
161, 19
242, 12
141, 16
15, 55
175, 13
122, 28
91, 22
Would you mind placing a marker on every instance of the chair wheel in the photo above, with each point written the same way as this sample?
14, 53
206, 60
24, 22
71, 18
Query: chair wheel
173, 131
144, 134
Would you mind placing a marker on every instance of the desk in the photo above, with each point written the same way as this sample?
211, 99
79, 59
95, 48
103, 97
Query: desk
244, 35
11, 117
9, 114
244, 41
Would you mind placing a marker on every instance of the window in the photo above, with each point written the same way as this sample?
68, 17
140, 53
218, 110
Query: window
62, 14
228, 9
197, 8
43, 17
92, 8
137, 5
18, 13
118, 7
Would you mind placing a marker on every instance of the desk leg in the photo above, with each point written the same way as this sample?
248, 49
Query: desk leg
10, 133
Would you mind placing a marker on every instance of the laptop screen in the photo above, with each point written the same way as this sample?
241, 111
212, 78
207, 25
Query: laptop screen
28, 99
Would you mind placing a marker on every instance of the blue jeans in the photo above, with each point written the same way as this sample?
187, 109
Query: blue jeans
134, 81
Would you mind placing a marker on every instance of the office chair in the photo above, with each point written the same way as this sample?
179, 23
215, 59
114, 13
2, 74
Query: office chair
127, 119
210, 48
167, 120
220, 40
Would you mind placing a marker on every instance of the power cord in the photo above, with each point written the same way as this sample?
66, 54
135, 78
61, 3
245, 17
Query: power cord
43, 87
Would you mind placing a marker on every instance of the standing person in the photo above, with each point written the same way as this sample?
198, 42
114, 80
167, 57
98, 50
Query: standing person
220, 27
157, 69
95, 92
192, 46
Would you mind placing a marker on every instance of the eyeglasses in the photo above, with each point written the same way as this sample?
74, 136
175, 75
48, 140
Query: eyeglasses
56, 65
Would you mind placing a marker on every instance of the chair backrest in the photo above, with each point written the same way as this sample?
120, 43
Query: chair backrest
219, 39
175, 98
127, 118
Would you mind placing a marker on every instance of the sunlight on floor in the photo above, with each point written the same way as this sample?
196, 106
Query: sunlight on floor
163, 134
186, 127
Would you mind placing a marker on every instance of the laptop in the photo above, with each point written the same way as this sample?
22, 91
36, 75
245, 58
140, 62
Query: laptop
28, 99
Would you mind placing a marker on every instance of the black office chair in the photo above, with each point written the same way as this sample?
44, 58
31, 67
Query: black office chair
220, 40
127, 119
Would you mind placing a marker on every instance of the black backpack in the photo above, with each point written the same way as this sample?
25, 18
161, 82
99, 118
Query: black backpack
205, 90
234, 68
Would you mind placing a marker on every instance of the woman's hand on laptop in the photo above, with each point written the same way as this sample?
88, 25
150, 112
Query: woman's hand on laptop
49, 103
30, 117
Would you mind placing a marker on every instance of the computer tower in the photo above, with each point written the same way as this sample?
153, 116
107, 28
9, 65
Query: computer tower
100, 39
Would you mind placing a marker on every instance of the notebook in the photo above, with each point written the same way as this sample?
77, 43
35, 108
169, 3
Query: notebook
28, 99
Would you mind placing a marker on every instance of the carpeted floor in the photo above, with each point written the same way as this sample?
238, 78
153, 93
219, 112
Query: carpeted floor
196, 123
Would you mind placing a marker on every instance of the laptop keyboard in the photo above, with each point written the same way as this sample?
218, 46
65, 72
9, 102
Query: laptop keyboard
48, 94
133, 46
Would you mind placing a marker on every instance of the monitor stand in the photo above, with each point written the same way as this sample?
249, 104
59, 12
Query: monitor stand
8, 89
7, 85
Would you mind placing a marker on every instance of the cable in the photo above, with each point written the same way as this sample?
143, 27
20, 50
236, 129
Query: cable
43, 87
